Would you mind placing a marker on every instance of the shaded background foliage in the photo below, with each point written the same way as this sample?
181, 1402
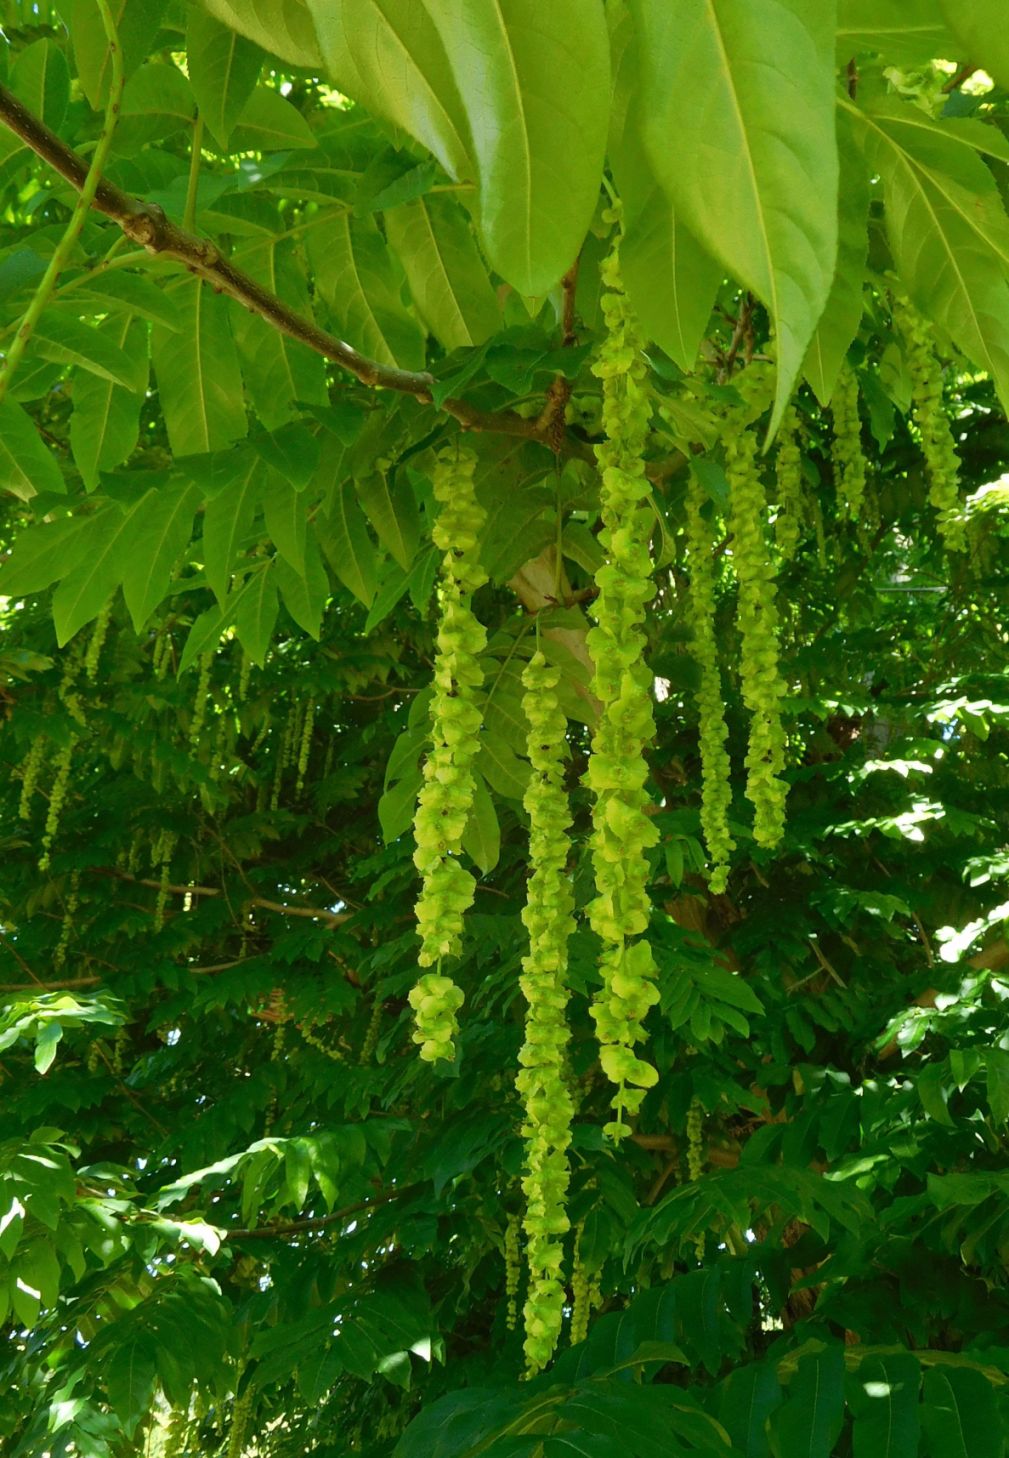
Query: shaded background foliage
237, 1211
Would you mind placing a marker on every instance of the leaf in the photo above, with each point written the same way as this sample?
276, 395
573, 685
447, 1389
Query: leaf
305, 594
286, 513
85, 590
292, 451
105, 425
885, 1407
959, 1414
282, 27
394, 516
931, 1083
981, 30
391, 59
947, 229
42, 554
269, 123
997, 1070
712, 114
534, 82
396, 807
130, 1375
135, 294
223, 71
448, 280
40, 78
358, 278
227, 523
199, 382
136, 22
257, 614
279, 372
347, 545
205, 634
670, 279
162, 533
748, 1397
46, 1044
482, 837
909, 32
26, 467
808, 1424
843, 310
501, 767
62, 337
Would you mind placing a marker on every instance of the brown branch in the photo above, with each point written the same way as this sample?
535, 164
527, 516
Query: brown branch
965, 72
317, 913
146, 224
318, 1222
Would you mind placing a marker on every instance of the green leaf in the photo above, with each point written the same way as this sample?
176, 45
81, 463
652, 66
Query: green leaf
360, 281
396, 807
223, 71
711, 110
534, 82
947, 229
282, 27
279, 372
501, 767
885, 1407
46, 1044
482, 837
305, 594
843, 310
134, 293
227, 523
394, 516
83, 592
257, 614
269, 123
42, 554
40, 78
157, 103
130, 1375
286, 513
105, 425
448, 280
980, 27
671, 280
205, 634
26, 467
932, 1084
809, 1423
292, 451
162, 534
199, 382
391, 59
959, 1414
908, 32
748, 1397
61, 336
997, 1070
347, 545
136, 22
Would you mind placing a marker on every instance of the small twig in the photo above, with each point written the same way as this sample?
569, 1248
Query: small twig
965, 72
318, 913
831, 971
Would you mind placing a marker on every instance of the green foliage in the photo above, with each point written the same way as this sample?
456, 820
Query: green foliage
315, 410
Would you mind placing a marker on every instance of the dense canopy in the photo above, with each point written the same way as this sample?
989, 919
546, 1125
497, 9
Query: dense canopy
505, 802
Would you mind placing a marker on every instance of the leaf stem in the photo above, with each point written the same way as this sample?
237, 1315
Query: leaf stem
196, 152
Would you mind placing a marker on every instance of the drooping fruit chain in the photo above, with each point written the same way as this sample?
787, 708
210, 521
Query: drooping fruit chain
547, 1103
446, 797
622, 830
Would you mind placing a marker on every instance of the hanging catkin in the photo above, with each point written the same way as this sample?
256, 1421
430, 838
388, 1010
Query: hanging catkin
546, 1101
846, 446
716, 784
760, 677
446, 796
621, 829
942, 464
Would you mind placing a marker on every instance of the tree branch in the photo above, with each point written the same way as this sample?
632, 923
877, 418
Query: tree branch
146, 224
317, 913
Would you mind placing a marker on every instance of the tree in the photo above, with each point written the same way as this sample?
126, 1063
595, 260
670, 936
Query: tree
534, 476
